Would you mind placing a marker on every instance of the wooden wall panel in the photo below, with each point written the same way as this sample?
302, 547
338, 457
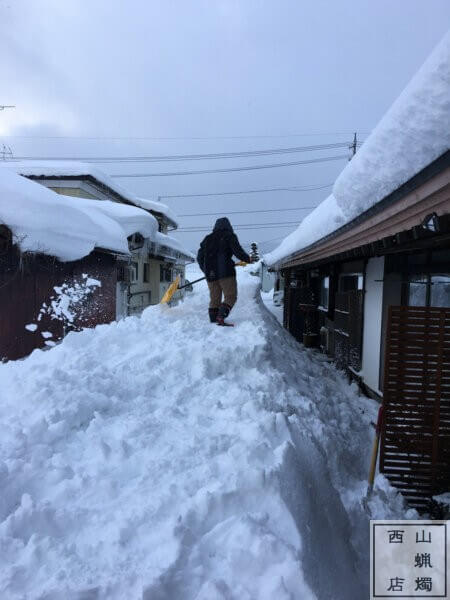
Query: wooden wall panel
415, 442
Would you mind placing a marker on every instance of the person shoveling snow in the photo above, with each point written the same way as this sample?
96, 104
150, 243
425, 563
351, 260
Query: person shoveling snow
215, 260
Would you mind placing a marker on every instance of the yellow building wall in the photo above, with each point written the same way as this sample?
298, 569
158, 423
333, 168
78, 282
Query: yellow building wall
77, 192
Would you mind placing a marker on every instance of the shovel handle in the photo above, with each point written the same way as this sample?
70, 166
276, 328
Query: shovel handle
180, 287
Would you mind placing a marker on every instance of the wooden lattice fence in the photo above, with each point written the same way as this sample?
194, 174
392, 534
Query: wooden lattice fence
415, 442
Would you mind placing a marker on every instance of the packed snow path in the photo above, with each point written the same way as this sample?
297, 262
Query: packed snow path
166, 458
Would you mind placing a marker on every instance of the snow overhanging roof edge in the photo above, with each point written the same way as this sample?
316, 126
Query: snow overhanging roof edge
111, 191
73, 170
434, 168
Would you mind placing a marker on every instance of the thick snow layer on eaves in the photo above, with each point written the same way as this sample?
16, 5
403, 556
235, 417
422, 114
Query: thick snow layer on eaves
63, 226
171, 242
413, 133
323, 220
166, 458
79, 169
156, 207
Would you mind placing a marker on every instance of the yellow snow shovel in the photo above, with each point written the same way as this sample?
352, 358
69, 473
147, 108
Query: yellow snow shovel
173, 287
374, 457
170, 291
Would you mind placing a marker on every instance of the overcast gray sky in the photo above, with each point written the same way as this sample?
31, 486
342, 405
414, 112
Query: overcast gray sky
212, 76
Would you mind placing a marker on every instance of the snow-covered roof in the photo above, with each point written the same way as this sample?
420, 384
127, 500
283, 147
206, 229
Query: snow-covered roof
412, 134
156, 206
62, 168
170, 242
66, 227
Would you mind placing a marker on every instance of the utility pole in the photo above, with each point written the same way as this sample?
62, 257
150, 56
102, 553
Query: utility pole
353, 147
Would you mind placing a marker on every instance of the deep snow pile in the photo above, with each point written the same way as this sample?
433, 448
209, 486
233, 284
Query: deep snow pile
65, 168
166, 458
277, 311
63, 226
412, 134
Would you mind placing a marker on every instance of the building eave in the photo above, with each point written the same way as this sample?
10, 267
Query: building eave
416, 191
89, 178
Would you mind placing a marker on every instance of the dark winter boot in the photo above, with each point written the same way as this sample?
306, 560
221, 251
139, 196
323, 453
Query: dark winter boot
213, 312
224, 311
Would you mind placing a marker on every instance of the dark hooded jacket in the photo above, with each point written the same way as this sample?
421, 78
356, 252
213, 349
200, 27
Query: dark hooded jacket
217, 249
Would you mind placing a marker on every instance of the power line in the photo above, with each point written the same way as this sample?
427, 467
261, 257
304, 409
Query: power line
226, 137
185, 228
246, 227
245, 212
264, 242
234, 169
206, 229
280, 237
188, 157
277, 189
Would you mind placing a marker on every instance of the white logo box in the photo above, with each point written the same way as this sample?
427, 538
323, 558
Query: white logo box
408, 559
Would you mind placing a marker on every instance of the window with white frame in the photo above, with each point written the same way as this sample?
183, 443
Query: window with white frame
134, 272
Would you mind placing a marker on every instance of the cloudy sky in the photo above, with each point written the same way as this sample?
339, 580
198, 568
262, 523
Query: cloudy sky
128, 78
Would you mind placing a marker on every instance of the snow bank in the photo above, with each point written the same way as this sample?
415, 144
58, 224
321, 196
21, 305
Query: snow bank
412, 134
165, 458
66, 227
277, 311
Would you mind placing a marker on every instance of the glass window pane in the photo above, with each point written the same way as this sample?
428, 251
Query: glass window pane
417, 294
324, 291
440, 290
351, 282
135, 268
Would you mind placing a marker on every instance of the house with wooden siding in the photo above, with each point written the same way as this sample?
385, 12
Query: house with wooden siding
367, 279
154, 262
62, 262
